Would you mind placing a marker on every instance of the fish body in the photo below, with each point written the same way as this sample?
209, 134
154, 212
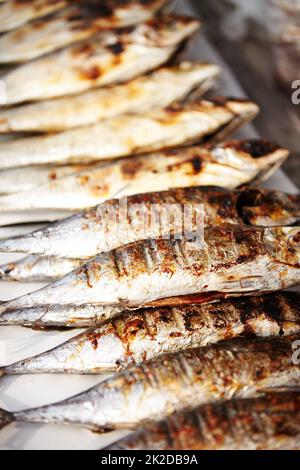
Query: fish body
271, 422
227, 165
122, 136
16, 180
121, 221
175, 382
143, 335
15, 13
38, 269
105, 59
73, 24
227, 261
17, 230
157, 90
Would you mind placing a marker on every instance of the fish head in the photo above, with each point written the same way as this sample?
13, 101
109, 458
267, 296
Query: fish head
257, 157
165, 31
267, 156
268, 208
283, 244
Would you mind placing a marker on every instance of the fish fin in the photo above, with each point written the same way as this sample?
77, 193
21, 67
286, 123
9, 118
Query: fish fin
5, 418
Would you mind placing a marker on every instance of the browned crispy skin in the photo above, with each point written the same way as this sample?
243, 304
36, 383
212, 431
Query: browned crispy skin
270, 422
242, 368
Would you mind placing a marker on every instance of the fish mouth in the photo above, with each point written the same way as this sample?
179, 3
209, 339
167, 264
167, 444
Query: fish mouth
257, 148
268, 208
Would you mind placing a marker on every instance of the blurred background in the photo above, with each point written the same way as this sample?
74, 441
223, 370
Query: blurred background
260, 41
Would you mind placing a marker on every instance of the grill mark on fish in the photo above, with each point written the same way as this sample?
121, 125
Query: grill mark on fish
229, 170
157, 40
80, 144
241, 250
268, 422
138, 336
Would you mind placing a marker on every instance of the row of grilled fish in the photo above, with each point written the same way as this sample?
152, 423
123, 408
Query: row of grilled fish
61, 247
228, 165
130, 134
237, 369
105, 59
135, 337
159, 88
78, 22
103, 14
222, 262
164, 354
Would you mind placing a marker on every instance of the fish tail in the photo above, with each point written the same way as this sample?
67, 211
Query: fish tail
5, 418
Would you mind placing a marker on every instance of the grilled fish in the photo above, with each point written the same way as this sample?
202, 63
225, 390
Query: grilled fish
155, 389
120, 221
228, 165
136, 337
15, 13
76, 23
227, 261
38, 269
271, 422
121, 136
159, 89
105, 59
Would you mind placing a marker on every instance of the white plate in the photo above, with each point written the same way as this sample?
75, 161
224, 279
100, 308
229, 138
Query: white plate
18, 343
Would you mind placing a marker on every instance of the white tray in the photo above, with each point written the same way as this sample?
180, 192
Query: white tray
18, 343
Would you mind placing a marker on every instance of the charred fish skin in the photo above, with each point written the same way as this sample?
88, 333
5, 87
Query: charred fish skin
230, 261
158, 388
15, 13
159, 89
38, 269
76, 23
267, 423
125, 135
227, 165
100, 61
91, 231
143, 335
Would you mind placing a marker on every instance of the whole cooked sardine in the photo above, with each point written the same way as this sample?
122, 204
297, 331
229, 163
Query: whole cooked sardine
15, 13
271, 422
227, 165
174, 382
76, 23
122, 136
159, 89
136, 337
121, 221
38, 269
228, 261
105, 59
